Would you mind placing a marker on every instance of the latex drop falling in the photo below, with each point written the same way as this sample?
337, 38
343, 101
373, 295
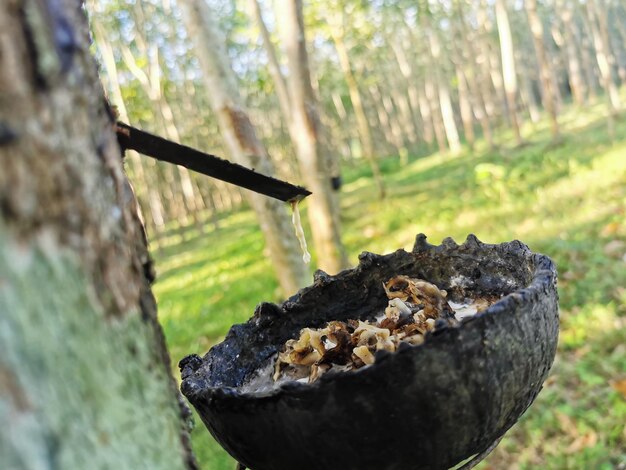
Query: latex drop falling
297, 224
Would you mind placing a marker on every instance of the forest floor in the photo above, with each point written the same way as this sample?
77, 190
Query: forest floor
567, 201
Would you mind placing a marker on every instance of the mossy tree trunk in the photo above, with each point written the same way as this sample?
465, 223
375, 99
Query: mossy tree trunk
84, 374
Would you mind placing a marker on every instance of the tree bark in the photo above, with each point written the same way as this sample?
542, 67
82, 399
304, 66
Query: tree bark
392, 134
84, 375
599, 32
153, 202
548, 93
618, 39
403, 109
408, 70
508, 67
528, 94
345, 134
466, 109
572, 46
443, 90
245, 147
274, 67
475, 79
490, 60
314, 158
151, 82
365, 134
432, 100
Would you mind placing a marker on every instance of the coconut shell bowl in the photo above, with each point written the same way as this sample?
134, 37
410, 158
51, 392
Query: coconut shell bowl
440, 402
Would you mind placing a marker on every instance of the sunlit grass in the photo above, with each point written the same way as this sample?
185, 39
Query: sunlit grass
566, 200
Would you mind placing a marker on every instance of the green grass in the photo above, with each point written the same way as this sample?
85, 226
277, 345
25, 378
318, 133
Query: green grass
567, 201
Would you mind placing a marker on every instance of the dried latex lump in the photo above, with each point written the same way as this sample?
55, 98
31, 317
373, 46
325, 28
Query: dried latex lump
414, 307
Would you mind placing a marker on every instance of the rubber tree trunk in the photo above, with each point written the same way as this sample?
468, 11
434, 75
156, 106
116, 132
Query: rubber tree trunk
403, 48
548, 92
465, 107
245, 147
274, 67
508, 67
445, 102
600, 35
84, 374
572, 47
313, 156
475, 80
365, 134
387, 120
152, 198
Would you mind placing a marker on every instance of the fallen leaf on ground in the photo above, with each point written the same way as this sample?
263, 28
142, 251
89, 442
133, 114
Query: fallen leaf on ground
615, 248
610, 229
620, 386
568, 425
587, 440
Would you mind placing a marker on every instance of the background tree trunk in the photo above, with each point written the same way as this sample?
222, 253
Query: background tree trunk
314, 158
84, 374
572, 46
599, 33
244, 146
153, 202
508, 67
547, 84
365, 134
443, 89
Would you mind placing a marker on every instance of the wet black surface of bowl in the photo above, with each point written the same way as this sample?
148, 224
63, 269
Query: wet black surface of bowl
426, 406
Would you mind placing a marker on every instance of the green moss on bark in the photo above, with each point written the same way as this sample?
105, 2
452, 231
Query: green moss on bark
78, 389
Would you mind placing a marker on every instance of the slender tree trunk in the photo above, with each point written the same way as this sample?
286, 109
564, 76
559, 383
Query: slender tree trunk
547, 84
154, 202
618, 15
490, 60
150, 79
346, 129
337, 32
475, 80
490, 87
427, 117
393, 138
508, 67
404, 108
84, 373
433, 104
572, 47
184, 178
587, 54
323, 210
387, 118
466, 108
443, 91
599, 31
426, 133
304, 123
528, 90
274, 67
407, 69
314, 159
244, 146
402, 105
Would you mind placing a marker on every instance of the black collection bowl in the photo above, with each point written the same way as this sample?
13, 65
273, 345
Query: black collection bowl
427, 406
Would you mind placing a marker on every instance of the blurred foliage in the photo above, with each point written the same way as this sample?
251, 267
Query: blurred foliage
567, 201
